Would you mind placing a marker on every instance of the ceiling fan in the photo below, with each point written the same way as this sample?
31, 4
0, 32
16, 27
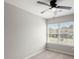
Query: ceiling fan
53, 4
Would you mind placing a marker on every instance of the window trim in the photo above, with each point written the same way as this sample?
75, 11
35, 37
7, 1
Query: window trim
59, 33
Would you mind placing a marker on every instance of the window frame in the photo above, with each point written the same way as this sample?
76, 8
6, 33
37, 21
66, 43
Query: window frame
58, 33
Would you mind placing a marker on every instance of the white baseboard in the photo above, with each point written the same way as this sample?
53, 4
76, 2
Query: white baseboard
37, 52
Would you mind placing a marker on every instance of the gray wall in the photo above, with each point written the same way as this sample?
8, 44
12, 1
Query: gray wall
65, 18
58, 47
25, 33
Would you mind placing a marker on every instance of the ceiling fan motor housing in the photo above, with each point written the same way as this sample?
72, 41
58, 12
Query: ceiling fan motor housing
53, 3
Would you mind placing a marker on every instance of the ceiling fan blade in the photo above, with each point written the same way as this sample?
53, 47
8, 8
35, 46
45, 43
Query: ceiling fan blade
43, 3
64, 7
45, 10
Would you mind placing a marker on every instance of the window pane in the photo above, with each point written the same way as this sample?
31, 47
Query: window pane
66, 33
52, 33
61, 33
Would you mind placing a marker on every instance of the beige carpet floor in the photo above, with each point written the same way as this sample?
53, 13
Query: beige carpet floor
51, 55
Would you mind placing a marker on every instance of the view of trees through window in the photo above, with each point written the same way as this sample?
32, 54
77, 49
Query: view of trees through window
61, 33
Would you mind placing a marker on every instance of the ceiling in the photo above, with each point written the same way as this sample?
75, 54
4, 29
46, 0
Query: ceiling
33, 7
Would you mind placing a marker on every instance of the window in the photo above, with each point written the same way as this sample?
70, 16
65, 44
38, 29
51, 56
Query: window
61, 33
53, 33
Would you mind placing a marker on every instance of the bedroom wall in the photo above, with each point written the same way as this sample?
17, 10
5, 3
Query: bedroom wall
25, 33
65, 18
59, 47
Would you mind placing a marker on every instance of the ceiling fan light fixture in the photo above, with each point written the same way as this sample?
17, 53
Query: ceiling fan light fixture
54, 9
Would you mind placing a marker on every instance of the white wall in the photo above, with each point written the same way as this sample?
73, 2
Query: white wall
25, 33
